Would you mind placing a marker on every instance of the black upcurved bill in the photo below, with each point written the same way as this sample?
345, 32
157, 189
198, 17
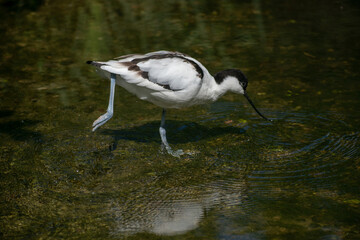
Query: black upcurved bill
252, 104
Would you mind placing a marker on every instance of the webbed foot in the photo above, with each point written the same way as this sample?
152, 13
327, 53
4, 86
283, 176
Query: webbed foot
101, 120
174, 153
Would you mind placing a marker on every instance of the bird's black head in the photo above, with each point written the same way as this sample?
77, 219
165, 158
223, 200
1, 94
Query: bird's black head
220, 76
232, 76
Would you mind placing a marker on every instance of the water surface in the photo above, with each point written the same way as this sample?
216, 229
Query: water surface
294, 178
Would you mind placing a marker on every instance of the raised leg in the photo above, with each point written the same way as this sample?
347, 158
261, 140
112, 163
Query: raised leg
110, 110
164, 141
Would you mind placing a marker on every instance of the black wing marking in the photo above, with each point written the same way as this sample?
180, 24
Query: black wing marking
171, 55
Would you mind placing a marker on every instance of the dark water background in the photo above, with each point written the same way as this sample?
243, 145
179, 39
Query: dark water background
295, 178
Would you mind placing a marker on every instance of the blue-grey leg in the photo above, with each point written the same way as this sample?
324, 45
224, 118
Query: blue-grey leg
164, 141
110, 110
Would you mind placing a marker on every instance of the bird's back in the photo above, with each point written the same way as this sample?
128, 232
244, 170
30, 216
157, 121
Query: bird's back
167, 79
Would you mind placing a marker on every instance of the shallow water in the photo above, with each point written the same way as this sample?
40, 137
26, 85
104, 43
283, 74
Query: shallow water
242, 178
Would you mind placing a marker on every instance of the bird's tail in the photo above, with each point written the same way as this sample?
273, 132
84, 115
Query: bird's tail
101, 72
94, 63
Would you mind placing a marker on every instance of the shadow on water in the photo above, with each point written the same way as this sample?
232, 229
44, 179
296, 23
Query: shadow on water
6, 113
17, 129
16, 6
176, 131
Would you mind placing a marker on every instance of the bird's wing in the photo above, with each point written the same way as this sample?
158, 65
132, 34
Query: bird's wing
159, 71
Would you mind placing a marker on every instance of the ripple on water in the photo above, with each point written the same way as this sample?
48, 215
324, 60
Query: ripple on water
173, 211
329, 147
177, 209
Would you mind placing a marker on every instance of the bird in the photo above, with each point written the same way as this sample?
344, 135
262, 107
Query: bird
169, 80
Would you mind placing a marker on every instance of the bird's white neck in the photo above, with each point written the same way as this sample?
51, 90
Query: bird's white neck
231, 84
211, 90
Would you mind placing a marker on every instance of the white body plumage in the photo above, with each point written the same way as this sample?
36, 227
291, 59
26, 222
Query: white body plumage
169, 80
